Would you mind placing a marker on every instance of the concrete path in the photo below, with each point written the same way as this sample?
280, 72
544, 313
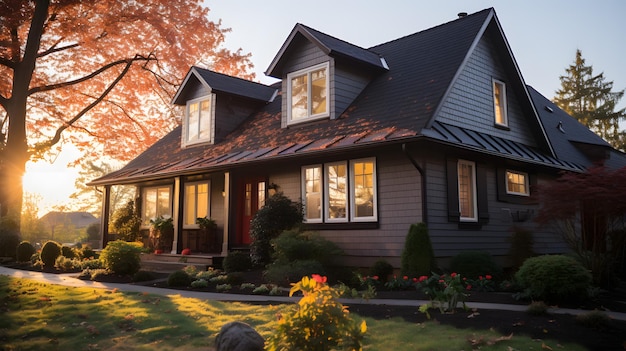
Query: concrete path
71, 281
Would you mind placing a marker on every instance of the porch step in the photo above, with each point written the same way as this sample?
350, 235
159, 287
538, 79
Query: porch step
170, 262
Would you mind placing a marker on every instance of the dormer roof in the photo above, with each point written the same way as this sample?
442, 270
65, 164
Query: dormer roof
330, 45
221, 83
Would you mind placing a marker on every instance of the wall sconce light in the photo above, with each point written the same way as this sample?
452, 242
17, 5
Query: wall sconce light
272, 189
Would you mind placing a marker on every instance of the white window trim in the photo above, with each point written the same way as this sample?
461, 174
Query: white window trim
374, 216
194, 225
185, 134
474, 201
303, 192
506, 183
145, 222
307, 70
327, 193
504, 102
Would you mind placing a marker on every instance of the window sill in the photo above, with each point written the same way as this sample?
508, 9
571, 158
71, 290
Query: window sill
501, 127
341, 226
300, 121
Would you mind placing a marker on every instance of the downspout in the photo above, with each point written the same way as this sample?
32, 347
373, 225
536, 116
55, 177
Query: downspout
423, 177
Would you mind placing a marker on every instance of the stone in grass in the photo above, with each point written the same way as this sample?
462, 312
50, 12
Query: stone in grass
238, 336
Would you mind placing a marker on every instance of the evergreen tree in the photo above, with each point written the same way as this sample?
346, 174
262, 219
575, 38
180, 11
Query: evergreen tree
590, 99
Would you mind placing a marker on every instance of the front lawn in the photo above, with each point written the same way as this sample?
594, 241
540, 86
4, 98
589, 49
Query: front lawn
36, 316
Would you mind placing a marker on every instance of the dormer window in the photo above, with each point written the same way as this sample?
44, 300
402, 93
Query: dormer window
307, 94
198, 120
499, 103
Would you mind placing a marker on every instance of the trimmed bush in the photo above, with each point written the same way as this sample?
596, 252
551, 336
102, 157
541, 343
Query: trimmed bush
25, 251
237, 261
278, 215
87, 252
49, 253
418, 257
292, 272
67, 264
472, 264
144, 276
178, 278
381, 269
554, 278
121, 257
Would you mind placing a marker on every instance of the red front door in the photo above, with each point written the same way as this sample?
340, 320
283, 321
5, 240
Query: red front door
251, 197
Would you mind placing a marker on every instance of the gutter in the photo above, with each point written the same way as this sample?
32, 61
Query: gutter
423, 177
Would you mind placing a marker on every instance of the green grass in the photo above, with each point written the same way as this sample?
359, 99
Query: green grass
41, 316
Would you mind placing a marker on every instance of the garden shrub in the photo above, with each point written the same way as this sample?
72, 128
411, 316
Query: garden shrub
235, 278
49, 253
291, 272
297, 254
521, 246
91, 263
178, 278
9, 237
68, 252
537, 308
25, 251
594, 319
278, 214
121, 257
418, 257
381, 269
65, 264
554, 278
318, 322
237, 261
472, 264
87, 252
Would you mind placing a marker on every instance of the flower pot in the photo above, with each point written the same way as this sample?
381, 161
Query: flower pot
186, 252
158, 252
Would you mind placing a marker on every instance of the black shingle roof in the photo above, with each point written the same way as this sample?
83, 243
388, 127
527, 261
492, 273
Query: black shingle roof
395, 107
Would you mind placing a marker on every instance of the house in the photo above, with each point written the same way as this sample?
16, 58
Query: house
438, 126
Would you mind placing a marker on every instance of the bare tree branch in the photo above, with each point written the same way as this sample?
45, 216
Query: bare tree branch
92, 75
59, 131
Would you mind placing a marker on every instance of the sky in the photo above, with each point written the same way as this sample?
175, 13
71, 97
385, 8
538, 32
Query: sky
543, 36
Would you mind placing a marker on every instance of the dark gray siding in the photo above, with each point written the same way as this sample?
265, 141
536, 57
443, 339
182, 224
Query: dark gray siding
449, 238
348, 85
470, 101
399, 206
230, 111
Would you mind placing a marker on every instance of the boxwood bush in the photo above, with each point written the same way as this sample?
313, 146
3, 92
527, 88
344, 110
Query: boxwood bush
49, 253
472, 264
554, 278
121, 257
25, 251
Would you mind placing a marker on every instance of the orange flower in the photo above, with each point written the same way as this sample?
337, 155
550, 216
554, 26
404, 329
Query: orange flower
318, 278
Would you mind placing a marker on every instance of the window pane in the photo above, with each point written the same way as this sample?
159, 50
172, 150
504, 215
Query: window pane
248, 200
261, 195
318, 91
499, 102
190, 204
149, 205
313, 195
163, 202
205, 119
363, 189
192, 126
466, 190
337, 185
299, 96
516, 183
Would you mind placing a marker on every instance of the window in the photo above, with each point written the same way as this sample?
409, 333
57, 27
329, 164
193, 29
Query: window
499, 103
517, 183
312, 191
467, 191
196, 203
347, 193
261, 194
363, 194
198, 120
308, 94
337, 183
156, 202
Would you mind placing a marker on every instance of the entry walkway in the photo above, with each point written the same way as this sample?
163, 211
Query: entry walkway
71, 281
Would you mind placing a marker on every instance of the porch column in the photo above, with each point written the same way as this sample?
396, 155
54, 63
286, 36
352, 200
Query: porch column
104, 219
226, 213
176, 215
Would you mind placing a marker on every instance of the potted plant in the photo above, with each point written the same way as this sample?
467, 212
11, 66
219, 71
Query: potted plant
162, 233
